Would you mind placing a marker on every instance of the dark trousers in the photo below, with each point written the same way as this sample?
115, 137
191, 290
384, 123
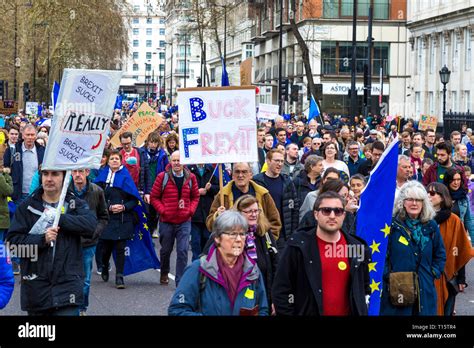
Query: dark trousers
107, 248
152, 218
56, 312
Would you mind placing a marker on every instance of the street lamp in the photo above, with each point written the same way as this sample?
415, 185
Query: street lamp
444, 75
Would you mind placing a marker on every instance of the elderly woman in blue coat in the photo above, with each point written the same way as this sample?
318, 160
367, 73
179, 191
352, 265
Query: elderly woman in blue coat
225, 281
414, 245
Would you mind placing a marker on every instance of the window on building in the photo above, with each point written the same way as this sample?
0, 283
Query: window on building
149, 21
419, 54
135, 67
181, 50
444, 51
213, 74
147, 67
454, 101
135, 20
162, 21
136, 31
468, 49
162, 31
181, 66
162, 67
344, 8
136, 8
432, 55
149, 31
148, 55
417, 103
135, 43
455, 52
248, 51
135, 55
162, 43
148, 43
431, 103
162, 55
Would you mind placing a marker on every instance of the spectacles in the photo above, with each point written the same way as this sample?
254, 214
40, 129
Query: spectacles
252, 212
326, 211
413, 200
234, 235
433, 193
244, 172
354, 149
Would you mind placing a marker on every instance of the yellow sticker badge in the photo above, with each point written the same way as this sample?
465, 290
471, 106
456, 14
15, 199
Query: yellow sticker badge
342, 265
403, 240
250, 294
2, 138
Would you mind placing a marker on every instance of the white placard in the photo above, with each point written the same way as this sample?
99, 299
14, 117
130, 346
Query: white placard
217, 125
267, 111
79, 131
31, 108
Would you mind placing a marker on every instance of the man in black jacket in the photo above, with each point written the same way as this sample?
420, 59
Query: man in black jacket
208, 188
82, 188
323, 271
283, 192
52, 275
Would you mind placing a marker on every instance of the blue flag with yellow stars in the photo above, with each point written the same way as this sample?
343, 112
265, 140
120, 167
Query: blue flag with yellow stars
374, 218
140, 254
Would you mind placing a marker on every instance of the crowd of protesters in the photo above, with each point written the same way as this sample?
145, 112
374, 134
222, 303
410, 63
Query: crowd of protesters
258, 244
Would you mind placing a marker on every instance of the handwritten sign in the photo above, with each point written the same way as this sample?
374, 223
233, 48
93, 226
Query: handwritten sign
267, 112
31, 108
82, 116
217, 125
427, 121
8, 107
144, 121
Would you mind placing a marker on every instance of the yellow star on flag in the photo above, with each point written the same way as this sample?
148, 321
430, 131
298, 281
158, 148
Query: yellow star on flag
145, 226
372, 266
144, 215
374, 286
386, 230
374, 247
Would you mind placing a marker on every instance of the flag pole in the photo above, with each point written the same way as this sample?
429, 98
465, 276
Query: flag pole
212, 175
66, 182
221, 185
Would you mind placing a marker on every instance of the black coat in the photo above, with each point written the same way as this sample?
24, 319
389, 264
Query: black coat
48, 283
302, 185
15, 163
95, 198
290, 204
121, 225
205, 202
299, 277
365, 168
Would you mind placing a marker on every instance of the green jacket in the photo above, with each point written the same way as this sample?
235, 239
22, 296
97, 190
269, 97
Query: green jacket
6, 189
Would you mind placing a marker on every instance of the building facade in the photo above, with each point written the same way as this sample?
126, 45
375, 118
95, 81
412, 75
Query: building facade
326, 26
441, 33
144, 68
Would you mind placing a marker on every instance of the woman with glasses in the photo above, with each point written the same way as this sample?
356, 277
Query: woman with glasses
457, 245
226, 281
260, 244
331, 161
453, 179
414, 245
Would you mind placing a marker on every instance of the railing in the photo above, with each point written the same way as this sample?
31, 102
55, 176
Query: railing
342, 66
454, 120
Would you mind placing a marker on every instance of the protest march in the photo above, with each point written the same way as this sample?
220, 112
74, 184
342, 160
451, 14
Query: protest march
254, 208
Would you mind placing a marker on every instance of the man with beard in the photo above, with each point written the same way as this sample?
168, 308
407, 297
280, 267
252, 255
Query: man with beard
436, 172
323, 271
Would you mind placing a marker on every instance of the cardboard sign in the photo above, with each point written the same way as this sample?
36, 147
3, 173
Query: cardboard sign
267, 111
217, 125
31, 108
427, 121
82, 116
144, 121
8, 107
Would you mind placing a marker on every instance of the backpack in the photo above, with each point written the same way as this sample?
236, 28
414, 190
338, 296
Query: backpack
166, 179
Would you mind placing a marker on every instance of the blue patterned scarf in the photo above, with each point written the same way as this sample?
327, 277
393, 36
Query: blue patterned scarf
415, 227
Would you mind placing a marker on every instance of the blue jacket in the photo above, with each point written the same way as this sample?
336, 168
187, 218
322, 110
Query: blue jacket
402, 254
6, 279
213, 298
466, 216
16, 165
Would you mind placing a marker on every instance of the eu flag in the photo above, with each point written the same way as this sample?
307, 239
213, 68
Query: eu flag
118, 102
140, 254
225, 176
374, 218
55, 94
313, 109
225, 76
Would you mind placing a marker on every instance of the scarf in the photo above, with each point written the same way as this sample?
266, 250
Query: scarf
231, 275
250, 243
417, 236
442, 216
458, 195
